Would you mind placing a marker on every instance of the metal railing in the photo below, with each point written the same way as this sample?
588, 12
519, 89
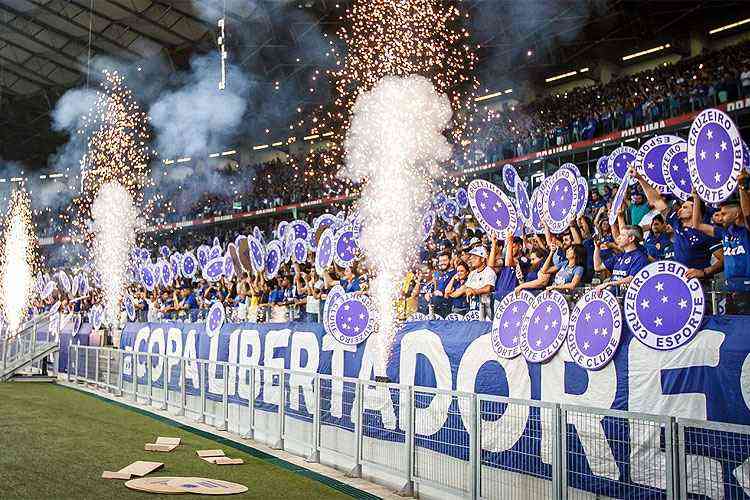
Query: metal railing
31, 341
446, 443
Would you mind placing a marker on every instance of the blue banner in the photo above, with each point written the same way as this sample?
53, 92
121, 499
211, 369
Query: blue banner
709, 378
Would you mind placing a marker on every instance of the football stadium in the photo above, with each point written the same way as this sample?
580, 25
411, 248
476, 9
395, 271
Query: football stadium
439, 249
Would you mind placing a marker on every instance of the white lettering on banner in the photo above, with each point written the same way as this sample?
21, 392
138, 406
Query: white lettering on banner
157, 362
646, 365
271, 381
337, 370
215, 382
173, 352
141, 338
308, 342
191, 353
248, 357
427, 420
502, 432
600, 393
376, 398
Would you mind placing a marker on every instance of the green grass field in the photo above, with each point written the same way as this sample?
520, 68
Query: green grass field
55, 442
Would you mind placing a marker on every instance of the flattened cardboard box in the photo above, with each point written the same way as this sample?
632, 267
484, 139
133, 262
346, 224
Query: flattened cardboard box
159, 447
168, 441
210, 453
140, 468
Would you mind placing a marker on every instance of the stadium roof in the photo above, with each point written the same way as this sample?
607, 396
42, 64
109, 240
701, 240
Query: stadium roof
46, 45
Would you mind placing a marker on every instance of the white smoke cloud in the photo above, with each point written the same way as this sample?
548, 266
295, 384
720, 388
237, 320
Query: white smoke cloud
197, 117
395, 142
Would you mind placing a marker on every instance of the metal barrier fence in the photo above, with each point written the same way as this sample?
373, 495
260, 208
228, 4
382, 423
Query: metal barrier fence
448, 443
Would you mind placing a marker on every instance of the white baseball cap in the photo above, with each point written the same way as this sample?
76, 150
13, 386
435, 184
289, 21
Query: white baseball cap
479, 251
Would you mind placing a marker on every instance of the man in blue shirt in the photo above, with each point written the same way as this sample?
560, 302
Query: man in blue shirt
443, 275
733, 218
623, 266
692, 248
658, 244
189, 304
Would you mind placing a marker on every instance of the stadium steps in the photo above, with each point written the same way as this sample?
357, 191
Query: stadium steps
26, 347
41, 351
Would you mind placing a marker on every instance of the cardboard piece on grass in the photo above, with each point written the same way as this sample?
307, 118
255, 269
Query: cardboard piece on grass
140, 468
224, 461
159, 447
108, 474
210, 453
168, 440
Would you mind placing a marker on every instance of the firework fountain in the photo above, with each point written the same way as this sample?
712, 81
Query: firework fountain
19, 260
396, 92
395, 142
115, 175
114, 219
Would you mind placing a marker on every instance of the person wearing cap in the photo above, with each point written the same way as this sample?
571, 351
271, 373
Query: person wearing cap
481, 281
733, 220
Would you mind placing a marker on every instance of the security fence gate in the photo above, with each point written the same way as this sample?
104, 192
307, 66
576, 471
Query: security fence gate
446, 443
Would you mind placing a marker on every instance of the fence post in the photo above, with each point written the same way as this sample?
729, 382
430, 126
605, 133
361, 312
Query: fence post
86, 365
165, 380
473, 486
477, 448
681, 472
183, 390
71, 347
356, 471
279, 445
250, 434
109, 370
222, 426
560, 429
408, 488
149, 379
315, 451
120, 369
669, 448
204, 380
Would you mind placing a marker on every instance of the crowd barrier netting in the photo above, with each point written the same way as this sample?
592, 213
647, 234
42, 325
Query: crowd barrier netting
456, 418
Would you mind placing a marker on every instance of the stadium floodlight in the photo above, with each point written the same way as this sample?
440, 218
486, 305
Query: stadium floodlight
260, 146
728, 26
42, 176
16, 179
230, 152
168, 162
327, 134
583, 70
214, 155
183, 160
277, 144
55, 176
487, 96
311, 137
560, 77
647, 51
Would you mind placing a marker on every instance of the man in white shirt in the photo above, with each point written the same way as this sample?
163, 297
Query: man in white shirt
481, 280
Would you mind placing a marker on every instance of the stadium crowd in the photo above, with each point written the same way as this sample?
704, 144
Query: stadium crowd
462, 269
